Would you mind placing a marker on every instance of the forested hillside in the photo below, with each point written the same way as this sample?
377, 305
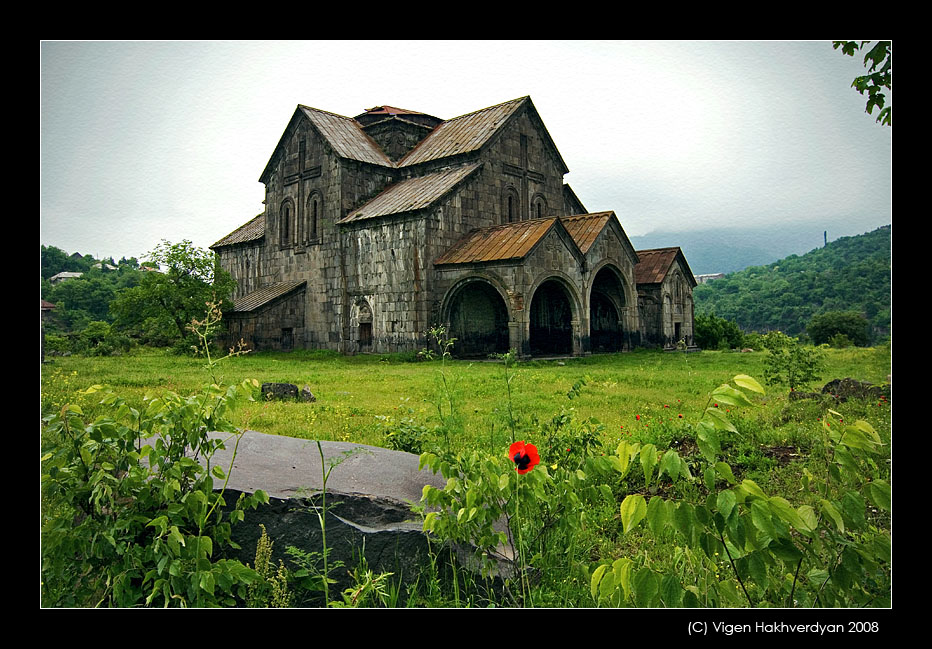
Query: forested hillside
849, 274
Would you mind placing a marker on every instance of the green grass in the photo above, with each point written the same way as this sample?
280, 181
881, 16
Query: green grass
646, 396
352, 392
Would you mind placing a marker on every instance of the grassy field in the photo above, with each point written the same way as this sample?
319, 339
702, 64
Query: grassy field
353, 393
646, 396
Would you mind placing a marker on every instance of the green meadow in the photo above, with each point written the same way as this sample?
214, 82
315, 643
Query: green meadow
818, 469
353, 392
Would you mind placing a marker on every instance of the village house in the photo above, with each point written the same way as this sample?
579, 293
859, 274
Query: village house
378, 227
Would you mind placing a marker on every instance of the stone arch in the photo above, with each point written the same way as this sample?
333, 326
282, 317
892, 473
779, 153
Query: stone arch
286, 216
539, 206
477, 315
607, 304
511, 205
315, 209
364, 325
553, 317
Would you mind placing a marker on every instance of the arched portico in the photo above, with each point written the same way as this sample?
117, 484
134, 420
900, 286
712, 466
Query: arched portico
553, 326
477, 316
607, 305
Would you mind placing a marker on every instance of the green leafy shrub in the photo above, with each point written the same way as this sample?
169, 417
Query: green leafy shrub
127, 523
711, 332
790, 363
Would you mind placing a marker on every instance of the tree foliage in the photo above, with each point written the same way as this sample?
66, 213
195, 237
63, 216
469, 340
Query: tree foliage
790, 363
849, 274
711, 332
825, 326
879, 58
164, 303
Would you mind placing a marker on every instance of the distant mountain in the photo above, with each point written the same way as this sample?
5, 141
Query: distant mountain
731, 249
849, 274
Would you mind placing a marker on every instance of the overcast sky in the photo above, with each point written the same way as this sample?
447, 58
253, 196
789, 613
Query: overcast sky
144, 141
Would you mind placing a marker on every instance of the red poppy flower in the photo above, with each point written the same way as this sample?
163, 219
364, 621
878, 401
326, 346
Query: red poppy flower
524, 456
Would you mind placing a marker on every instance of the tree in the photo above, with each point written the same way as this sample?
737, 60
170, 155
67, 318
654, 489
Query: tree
164, 303
789, 363
711, 332
879, 56
824, 326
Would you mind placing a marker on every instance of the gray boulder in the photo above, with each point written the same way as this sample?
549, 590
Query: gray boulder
370, 492
279, 391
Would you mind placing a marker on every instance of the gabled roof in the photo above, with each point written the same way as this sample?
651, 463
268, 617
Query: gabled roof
344, 135
471, 132
585, 228
263, 296
654, 265
253, 230
413, 193
462, 134
65, 274
511, 241
497, 243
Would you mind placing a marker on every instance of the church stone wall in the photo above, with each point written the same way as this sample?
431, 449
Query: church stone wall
371, 286
609, 247
386, 272
279, 326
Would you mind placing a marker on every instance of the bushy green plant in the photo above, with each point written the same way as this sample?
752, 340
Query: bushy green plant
747, 548
790, 363
128, 522
270, 589
130, 514
711, 332
402, 432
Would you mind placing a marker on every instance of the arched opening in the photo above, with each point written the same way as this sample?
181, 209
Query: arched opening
605, 304
364, 338
478, 321
551, 320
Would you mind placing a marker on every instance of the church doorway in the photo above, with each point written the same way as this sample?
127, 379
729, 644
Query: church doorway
551, 320
605, 304
478, 321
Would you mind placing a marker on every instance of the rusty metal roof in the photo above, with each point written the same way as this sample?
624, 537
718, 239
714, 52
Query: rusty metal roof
412, 194
585, 228
462, 134
346, 137
264, 295
390, 110
253, 230
497, 243
654, 264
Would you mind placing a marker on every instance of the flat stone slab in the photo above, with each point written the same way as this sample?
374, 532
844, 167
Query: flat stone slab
369, 496
287, 467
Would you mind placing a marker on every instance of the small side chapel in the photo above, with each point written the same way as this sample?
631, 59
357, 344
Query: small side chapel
379, 227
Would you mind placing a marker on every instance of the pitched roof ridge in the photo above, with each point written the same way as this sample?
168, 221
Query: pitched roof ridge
498, 105
326, 112
588, 215
389, 109
666, 249
225, 240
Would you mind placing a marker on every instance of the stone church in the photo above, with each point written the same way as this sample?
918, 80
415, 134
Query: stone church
379, 227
